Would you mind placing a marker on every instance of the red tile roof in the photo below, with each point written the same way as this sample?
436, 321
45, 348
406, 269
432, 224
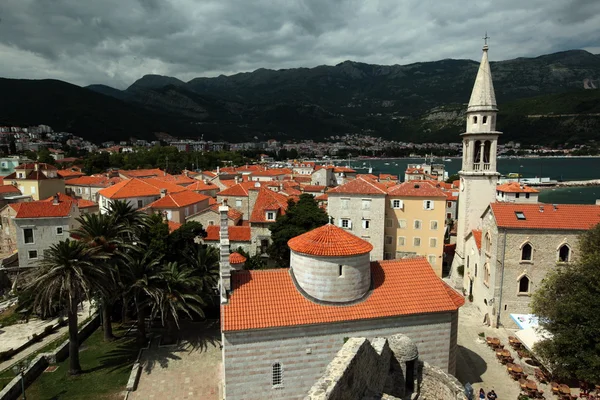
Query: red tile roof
360, 186
515, 187
15, 206
418, 189
232, 214
269, 298
546, 216
322, 197
329, 241
238, 190
236, 233
388, 176
139, 188
268, 200
368, 176
93, 181
173, 226
142, 173
200, 186
41, 166
273, 172
313, 188
178, 200
44, 209
176, 179
81, 203
477, 237
67, 173
4, 189
236, 258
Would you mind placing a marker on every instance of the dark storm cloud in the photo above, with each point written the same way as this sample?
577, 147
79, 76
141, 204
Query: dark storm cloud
117, 41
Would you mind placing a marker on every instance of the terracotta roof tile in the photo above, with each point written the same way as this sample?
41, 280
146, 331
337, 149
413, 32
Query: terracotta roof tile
15, 206
44, 209
368, 176
313, 188
329, 241
173, 226
177, 200
268, 200
238, 190
515, 187
360, 186
236, 233
401, 287
273, 172
67, 173
176, 179
236, 258
418, 189
41, 166
139, 188
322, 197
95, 181
142, 173
9, 189
546, 216
477, 236
200, 186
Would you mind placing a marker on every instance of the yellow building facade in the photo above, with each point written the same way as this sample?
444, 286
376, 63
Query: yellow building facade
414, 223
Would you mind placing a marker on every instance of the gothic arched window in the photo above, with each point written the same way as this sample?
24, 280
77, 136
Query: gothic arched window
524, 284
564, 253
526, 252
477, 152
487, 149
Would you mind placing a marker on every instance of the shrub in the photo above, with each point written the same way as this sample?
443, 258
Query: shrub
481, 334
461, 270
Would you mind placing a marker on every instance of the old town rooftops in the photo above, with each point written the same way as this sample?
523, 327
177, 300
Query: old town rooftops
270, 299
139, 188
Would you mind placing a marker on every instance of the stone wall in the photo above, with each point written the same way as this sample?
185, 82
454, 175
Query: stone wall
362, 370
305, 351
320, 277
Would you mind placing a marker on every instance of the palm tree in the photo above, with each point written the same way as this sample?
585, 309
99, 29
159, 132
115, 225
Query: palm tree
204, 261
69, 272
177, 292
124, 214
101, 231
141, 280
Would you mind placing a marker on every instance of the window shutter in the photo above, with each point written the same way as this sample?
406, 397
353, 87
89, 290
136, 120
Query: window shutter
340, 223
349, 224
391, 203
424, 204
431, 203
401, 204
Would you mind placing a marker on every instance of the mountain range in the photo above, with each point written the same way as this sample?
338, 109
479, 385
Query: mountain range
546, 99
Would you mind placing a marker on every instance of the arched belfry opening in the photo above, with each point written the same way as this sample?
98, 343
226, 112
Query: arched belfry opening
487, 150
477, 153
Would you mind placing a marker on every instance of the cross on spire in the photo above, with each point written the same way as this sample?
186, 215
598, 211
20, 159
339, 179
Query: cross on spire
485, 38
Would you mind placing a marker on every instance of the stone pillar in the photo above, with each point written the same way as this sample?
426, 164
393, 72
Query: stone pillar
225, 268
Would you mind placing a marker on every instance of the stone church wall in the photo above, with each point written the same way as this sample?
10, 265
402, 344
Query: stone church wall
305, 351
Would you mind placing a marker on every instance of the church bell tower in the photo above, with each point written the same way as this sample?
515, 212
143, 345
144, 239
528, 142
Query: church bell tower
478, 175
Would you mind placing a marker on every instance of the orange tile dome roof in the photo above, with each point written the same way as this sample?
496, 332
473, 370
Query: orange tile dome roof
329, 241
236, 258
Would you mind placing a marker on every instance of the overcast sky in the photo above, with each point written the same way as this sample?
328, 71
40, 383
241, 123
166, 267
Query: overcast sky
115, 42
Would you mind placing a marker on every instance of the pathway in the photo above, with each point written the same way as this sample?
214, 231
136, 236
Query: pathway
190, 370
16, 335
476, 363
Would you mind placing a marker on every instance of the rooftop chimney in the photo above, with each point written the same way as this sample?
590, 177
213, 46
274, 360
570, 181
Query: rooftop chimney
36, 166
224, 266
541, 208
55, 200
163, 192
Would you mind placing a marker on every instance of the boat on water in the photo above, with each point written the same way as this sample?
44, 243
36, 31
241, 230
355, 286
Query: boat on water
387, 163
514, 175
448, 159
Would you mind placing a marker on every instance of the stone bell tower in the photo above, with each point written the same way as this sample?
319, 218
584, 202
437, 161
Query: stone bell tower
478, 175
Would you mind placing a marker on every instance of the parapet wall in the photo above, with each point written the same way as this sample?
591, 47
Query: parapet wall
361, 369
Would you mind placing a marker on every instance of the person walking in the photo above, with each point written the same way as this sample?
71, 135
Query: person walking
492, 395
481, 394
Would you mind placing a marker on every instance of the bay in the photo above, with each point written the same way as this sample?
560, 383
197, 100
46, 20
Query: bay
556, 168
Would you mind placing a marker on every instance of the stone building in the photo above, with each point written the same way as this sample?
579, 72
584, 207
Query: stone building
177, 207
359, 206
518, 244
414, 222
138, 193
515, 192
282, 327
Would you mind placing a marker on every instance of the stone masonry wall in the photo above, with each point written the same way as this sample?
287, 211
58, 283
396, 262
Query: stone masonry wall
305, 351
320, 278
438, 385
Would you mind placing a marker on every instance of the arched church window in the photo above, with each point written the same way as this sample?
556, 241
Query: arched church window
526, 252
477, 151
277, 377
475, 119
564, 253
524, 284
487, 149
485, 119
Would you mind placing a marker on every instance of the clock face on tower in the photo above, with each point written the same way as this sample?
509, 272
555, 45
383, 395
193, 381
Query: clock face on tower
462, 184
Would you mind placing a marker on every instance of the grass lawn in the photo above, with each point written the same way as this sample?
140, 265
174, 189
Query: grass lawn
106, 368
10, 316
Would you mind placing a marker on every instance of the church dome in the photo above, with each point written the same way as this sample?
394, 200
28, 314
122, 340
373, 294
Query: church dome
330, 264
236, 258
329, 240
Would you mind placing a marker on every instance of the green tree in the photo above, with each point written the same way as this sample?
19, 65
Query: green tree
567, 304
252, 262
70, 272
300, 217
43, 156
101, 231
176, 293
452, 178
